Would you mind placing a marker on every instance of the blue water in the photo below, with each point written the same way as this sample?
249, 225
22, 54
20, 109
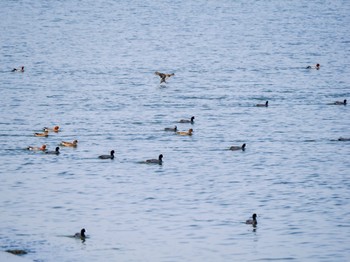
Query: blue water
89, 68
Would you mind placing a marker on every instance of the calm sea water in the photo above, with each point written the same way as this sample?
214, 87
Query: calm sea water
90, 69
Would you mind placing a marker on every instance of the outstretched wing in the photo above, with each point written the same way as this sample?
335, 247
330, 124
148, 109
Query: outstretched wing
161, 75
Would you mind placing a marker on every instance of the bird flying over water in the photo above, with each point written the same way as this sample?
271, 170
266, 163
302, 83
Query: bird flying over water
163, 76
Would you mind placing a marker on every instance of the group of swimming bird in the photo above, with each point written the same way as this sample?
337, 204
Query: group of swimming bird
163, 78
159, 160
74, 143
81, 235
45, 133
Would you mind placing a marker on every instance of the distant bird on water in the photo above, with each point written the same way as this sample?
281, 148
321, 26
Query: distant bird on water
21, 69
163, 76
185, 133
317, 67
235, 148
187, 120
44, 134
80, 235
69, 144
54, 129
158, 161
340, 102
111, 156
34, 148
263, 105
252, 221
173, 129
56, 152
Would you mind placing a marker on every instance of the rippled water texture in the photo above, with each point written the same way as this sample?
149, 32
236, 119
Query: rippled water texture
89, 68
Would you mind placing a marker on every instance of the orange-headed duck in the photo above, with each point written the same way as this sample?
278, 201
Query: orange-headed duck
187, 120
44, 134
263, 105
173, 129
110, 156
21, 69
54, 129
185, 133
69, 144
158, 161
252, 221
234, 148
56, 152
35, 148
163, 76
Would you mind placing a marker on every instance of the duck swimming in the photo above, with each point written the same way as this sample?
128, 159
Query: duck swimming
158, 161
54, 129
163, 76
80, 235
69, 144
187, 120
173, 129
33, 148
252, 221
343, 139
111, 156
44, 134
263, 105
317, 67
234, 148
340, 102
56, 152
185, 133
18, 69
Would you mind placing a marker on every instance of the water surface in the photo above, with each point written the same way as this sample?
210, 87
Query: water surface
90, 69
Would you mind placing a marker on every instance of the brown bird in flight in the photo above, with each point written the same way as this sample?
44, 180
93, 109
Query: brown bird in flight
163, 77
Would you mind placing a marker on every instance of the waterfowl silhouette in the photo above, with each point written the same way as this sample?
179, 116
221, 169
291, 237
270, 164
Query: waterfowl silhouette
44, 134
34, 148
185, 133
163, 76
263, 105
340, 102
252, 221
54, 129
69, 144
234, 148
111, 156
317, 66
173, 129
80, 235
56, 152
16, 251
21, 69
187, 120
343, 139
158, 161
